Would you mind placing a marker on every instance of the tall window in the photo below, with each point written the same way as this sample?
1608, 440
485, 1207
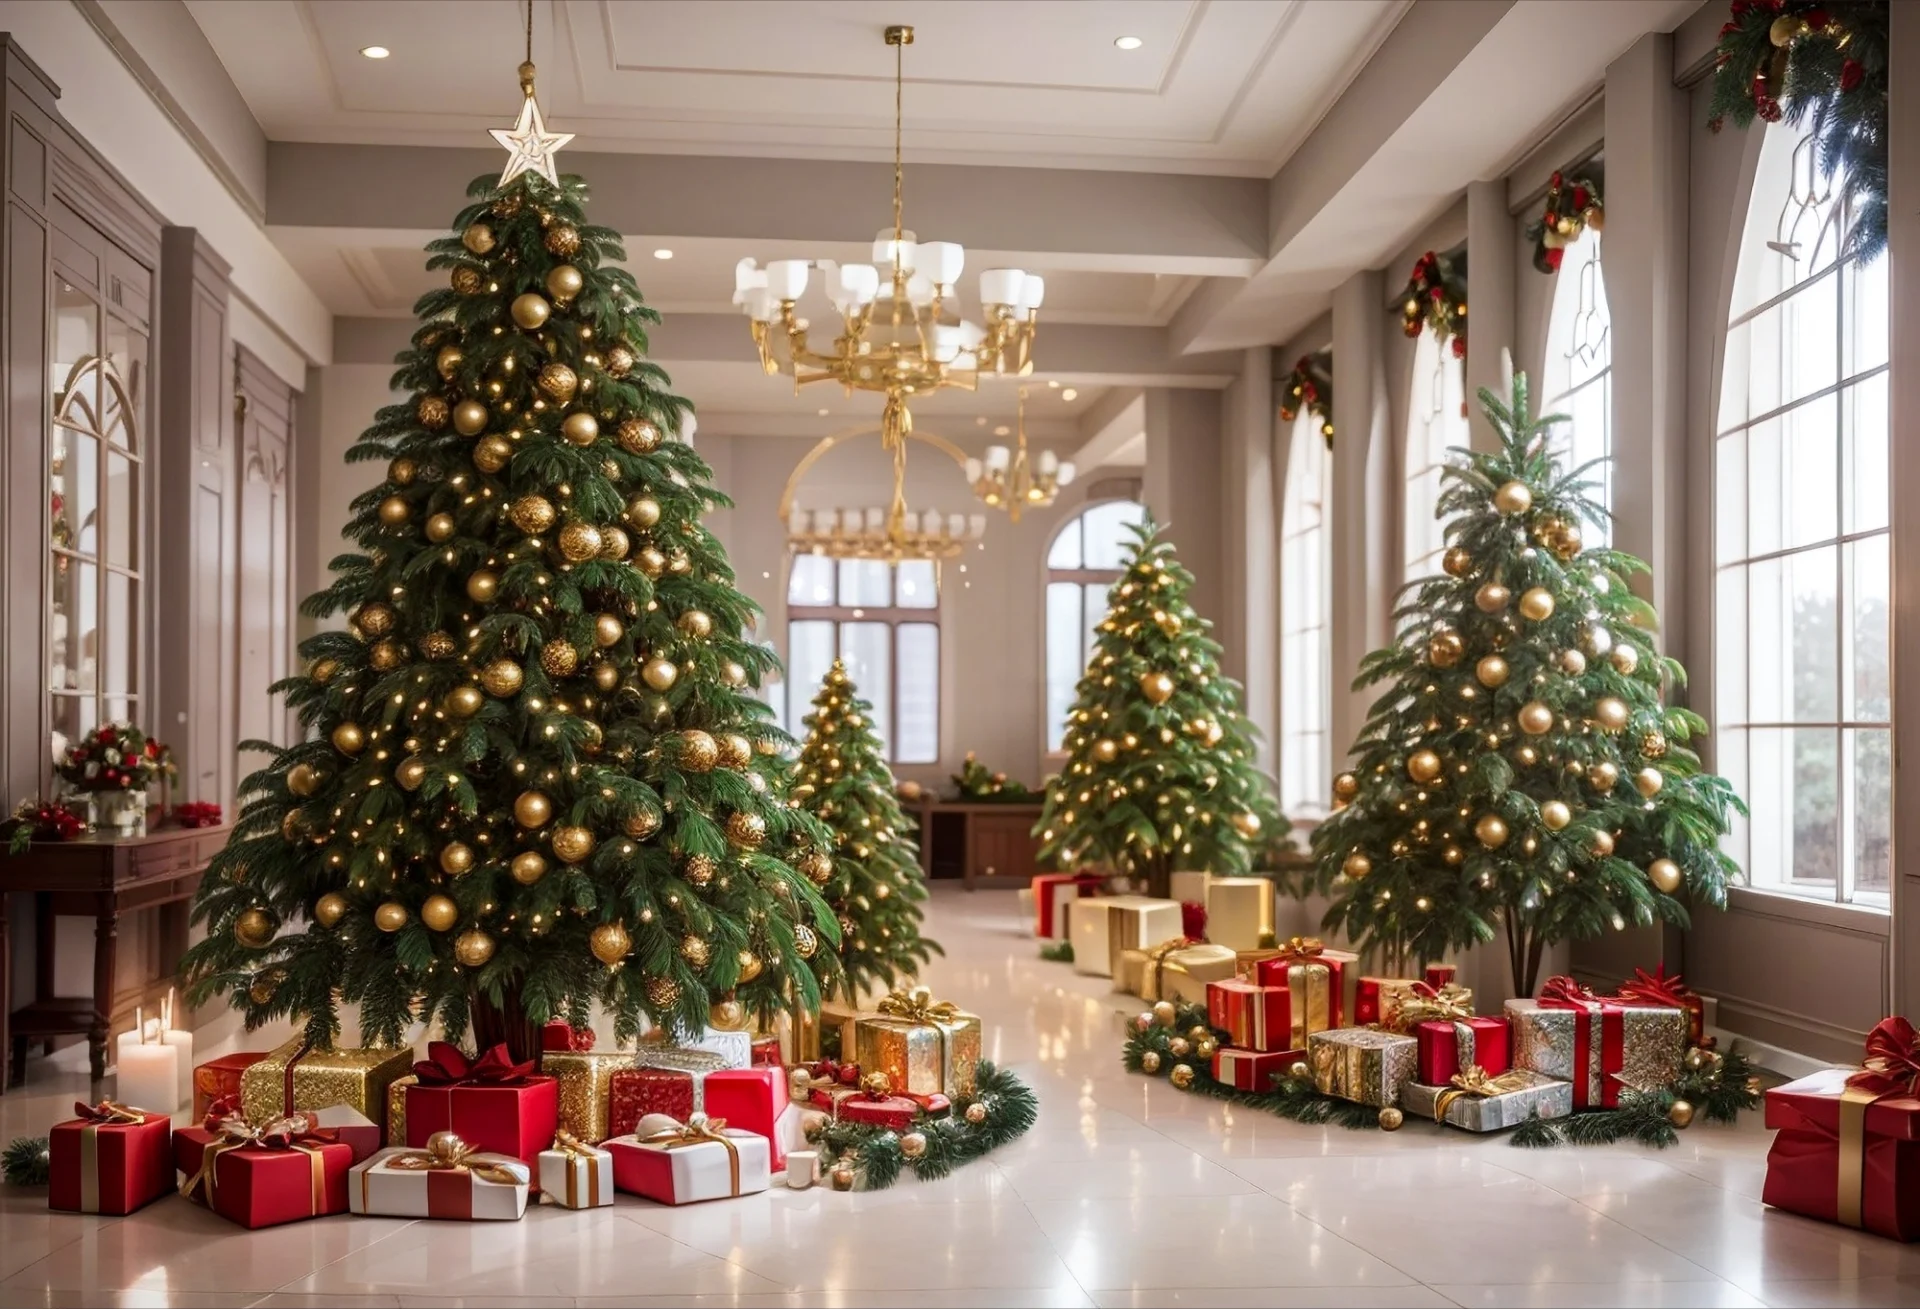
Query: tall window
1801, 676
1436, 423
1579, 367
1083, 563
1306, 626
883, 620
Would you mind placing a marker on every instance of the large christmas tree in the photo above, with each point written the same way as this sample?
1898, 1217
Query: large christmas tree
536, 775
1519, 767
875, 885
1160, 775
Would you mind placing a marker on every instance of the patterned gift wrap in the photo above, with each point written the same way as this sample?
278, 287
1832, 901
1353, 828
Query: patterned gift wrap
1362, 1064
1601, 1047
924, 1046
586, 1088
1174, 970
297, 1077
1477, 1102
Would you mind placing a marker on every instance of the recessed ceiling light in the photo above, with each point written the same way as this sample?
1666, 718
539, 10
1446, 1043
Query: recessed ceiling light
1128, 42
823, 413
980, 421
1002, 430
1069, 394
375, 51
1054, 383
663, 254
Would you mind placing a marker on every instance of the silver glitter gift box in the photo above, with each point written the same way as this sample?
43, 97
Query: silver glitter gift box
1472, 1111
1362, 1063
1601, 1048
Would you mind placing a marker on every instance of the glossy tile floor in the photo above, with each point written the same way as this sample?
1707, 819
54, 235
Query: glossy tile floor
1127, 1193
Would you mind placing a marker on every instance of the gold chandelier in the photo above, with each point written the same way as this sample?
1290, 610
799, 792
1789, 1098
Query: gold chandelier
892, 532
1006, 480
899, 333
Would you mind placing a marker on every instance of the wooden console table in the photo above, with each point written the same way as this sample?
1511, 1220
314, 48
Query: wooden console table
977, 840
102, 876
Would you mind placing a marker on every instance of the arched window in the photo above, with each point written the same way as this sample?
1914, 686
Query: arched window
1802, 693
884, 620
1083, 563
1579, 367
1436, 423
1306, 627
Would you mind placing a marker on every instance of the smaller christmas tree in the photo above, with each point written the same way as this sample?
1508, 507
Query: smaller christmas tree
875, 885
1160, 774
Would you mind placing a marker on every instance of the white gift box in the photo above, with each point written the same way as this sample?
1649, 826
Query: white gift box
1240, 912
377, 1187
577, 1179
1104, 926
676, 1173
1189, 888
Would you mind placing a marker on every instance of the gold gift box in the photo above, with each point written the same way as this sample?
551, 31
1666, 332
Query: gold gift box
802, 1039
1174, 971
321, 1079
586, 1088
397, 1109
1361, 1063
1240, 911
933, 1056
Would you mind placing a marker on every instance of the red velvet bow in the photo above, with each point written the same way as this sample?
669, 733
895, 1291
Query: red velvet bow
1567, 993
445, 1065
108, 1111
1893, 1059
1657, 988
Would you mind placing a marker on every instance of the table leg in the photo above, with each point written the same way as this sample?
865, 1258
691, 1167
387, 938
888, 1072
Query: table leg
106, 941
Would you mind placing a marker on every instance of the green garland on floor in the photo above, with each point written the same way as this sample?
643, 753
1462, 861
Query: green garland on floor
1160, 1048
876, 1155
1718, 1090
1057, 952
25, 1161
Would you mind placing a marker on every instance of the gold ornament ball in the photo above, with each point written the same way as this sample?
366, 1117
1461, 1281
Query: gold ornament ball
483, 586
464, 701
606, 676
1598, 640
436, 645
1536, 604
805, 941
410, 773
841, 1177
374, 619
492, 453
1150, 1062
531, 312
610, 943
976, 1113
643, 511
391, 916
660, 674
303, 779
1491, 829
638, 436
264, 986
1457, 562
1611, 713
478, 238
1299, 1071
467, 280
1696, 1058
1680, 1114
1492, 671
1423, 766
386, 656
650, 561
913, 1145
1445, 649
1665, 876
432, 412
528, 867
1356, 866
746, 830
1653, 745
1491, 598
696, 623
563, 239
750, 965
1513, 498
1346, 786
1163, 1013
1567, 542
558, 382
558, 658
1626, 659
448, 361
329, 909
818, 867
469, 418
1604, 775
440, 528
1105, 751
726, 1015
564, 282
614, 544
607, 630
1247, 825
473, 947
532, 514
1572, 663
641, 825
699, 752
699, 869
736, 751
532, 809
1181, 1076
1391, 1118
502, 678
733, 673
1535, 718
572, 844
1648, 782
254, 928
1157, 687
1786, 29
695, 950
439, 913
395, 511
456, 858
323, 670
349, 739
1205, 1047
580, 428
1602, 844
1555, 814
1179, 1047
1199, 1032
579, 542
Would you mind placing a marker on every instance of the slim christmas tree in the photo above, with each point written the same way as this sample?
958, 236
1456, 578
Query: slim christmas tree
536, 775
1519, 767
1160, 775
874, 885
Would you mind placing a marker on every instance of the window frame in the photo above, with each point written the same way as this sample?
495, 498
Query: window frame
893, 616
1443, 428
1563, 318
1080, 578
1310, 800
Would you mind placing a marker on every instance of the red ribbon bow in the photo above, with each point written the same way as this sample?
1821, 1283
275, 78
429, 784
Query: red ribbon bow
108, 1112
1892, 1065
1657, 988
446, 1065
1567, 993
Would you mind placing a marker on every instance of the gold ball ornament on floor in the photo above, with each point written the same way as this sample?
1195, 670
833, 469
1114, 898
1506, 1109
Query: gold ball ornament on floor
1299, 1071
563, 239
432, 412
469, 418
532, 809
1491, 830
473, 947
1492, 598
1423, 766
571, 845
976, 1113
1163, 1013
478, 238
254, 928
1665, 876
1610, 712
531, 312
528, 867
564, 281
502, 678
394, 511
329, 909
1513, 498
1456, 562
391, 916
1179, 1047
349, 739
464, 701
456, 858
913, 1145
1157, 687
1555, 814
1391, 1118
746, 830
1680, 1114
638, 436
579, 542
1535, 718
439, 913
1445, 649
1181, 1077
1648, 782
840, 1177
558, 382
699, 752
610, 944
532, 514
410, 772
1492, 671
440, 528
558, 658
492, 453
1356, 866
1536, 604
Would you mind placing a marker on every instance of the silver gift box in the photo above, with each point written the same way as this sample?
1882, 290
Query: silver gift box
1362, 1063
1653, 1042
1552, 1097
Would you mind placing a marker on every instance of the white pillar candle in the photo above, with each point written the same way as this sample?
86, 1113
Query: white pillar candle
801, 1167
149, 1077
182, 1042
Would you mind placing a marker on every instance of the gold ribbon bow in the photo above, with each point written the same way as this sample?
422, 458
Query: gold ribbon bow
1302, 948
698, 1130
919, 1006
1157, 957
578, 1153
572, 1146
446, 1152
232, 1131
1472, 1081
108, 1113
1451, 1003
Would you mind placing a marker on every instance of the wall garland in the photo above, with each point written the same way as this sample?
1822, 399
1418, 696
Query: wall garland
1572, 206
1436, 298
1310, 387
1791, 61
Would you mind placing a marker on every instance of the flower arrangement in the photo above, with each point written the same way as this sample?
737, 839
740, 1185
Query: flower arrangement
1310, 387
34, 821
1436, 297
115, 757
1572, 206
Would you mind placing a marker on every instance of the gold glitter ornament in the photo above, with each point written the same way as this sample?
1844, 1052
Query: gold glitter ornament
530, 311
528, 867
473, 947
439, 913
663, 992
818, 867
532, 514
469, 418
432, 412
1181, 1077
492, 453
976, 1113
1150, 1061
579, 542
1391, 1118
401, 472
478, 238
610, 943
456, 858
641, 825
467, 280
746, 830
695, 950
1164, 1013
375, 620
532, 809
1179, 1047
385, 656
557, 382
621, 359
699, 752
563, 239
614, 544
736, 751
699, 869
255, 928
643, 511
329, 909
323, 670
564, 281
558, 658
638, 436
349, 739
1653, 745
502, 678
571, 845
391, 916
440, 528
436, 645
464, 701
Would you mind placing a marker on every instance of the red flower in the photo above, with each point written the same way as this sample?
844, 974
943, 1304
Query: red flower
1580, 197
1436, 293
1852, 73
1459, 347
1553, 257
1554, 181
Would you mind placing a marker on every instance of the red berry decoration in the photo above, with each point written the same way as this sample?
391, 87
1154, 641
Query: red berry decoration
849, 1074
1852, 73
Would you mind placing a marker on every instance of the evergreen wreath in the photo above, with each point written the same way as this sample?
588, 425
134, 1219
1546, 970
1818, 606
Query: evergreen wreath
1005, 1106
1436, 298
1794, 60
1177, 1037
1310, 387
1572, 206
25, 1162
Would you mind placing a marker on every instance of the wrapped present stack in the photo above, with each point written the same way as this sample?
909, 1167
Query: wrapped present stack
1174, 969
681, 1081
1268, 1011
1103, 929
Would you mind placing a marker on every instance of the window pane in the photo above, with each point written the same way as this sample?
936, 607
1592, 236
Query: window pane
1812, 472
1871, 769
77, 493
1766, 505
1107, 538
810, 582
1770, 648
1065, 656
865, 582
1869, 594
1810, 338
1864, 406
1816, 635
916, 584
72, 625
809, 656
919, 645
1730, 497
865, 648
116, 654
1816, 806
121, 524
1866, 324
1731, 648
1065, 551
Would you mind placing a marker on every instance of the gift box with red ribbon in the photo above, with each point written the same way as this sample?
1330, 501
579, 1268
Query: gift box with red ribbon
682, 1163
109, 1159
1450, 1038
1599, 1045
1848, 1148
219, 1078
562, 1035
682, 1083
766, 1050
1260, 1018
448, 1179
492, 1103
1371, 999
262, 1174
1253, 1070
1052, 894
1662, 990
1317, 976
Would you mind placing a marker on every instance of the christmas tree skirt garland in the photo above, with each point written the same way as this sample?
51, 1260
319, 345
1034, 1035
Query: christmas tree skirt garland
871, 1158
1057, 952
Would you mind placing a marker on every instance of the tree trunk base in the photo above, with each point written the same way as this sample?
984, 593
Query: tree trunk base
507, 1023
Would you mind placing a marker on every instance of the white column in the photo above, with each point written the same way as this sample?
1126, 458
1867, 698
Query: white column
1248, 628
1361, 516
1493, 246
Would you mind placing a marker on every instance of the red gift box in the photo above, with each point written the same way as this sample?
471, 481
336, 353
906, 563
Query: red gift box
1046, 924
1663, 991
493, 1104
891, 1111
1845, 1156
766, 1051
750, 1099
1254, 1017
560, 1035
1253, 1070
1488, 1042
219, 1078
110, 1160
1274, 968
281, 1173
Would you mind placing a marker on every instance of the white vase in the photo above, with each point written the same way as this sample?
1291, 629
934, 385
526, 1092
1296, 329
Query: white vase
124, 813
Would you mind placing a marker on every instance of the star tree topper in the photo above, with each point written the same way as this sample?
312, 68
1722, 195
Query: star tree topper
529, 145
